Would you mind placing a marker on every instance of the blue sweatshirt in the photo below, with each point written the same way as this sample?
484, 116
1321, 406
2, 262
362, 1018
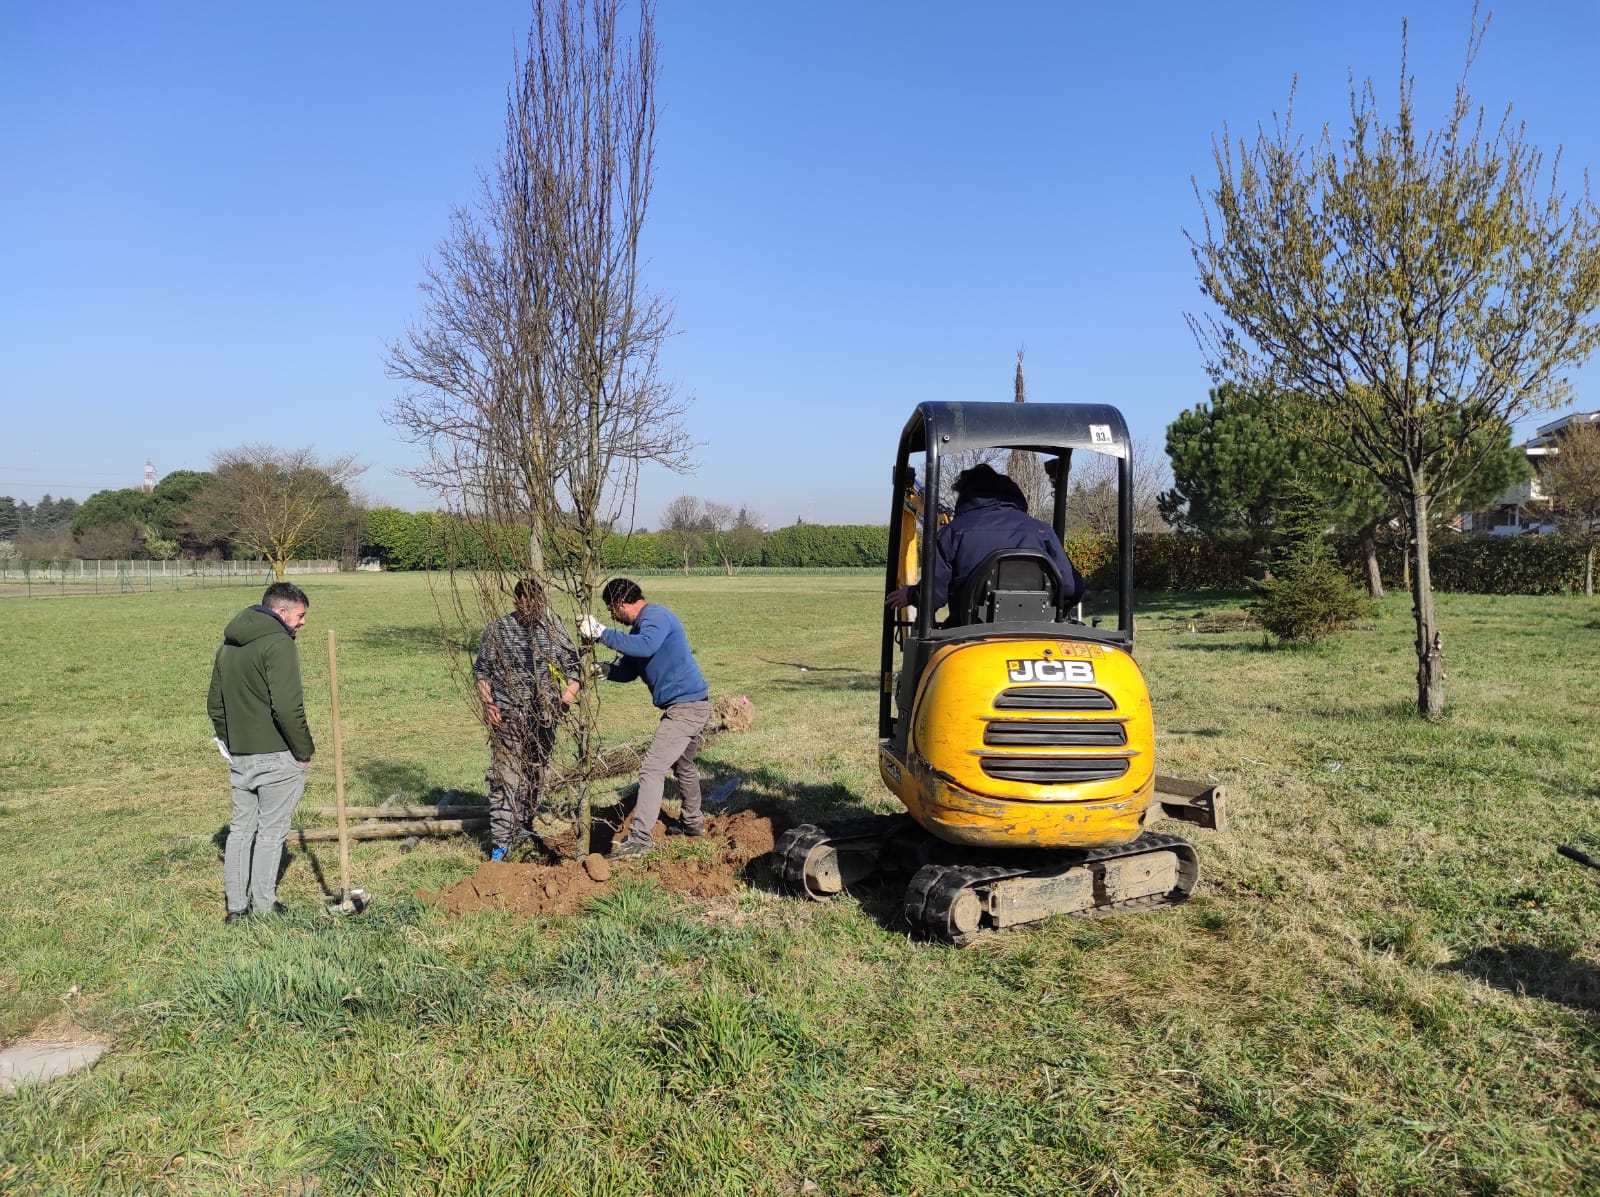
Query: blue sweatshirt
658, 650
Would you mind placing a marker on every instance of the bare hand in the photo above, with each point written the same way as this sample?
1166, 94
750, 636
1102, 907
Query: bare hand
898, 598
492, 714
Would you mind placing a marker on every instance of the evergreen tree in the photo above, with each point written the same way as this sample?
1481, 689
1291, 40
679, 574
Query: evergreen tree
1230, 470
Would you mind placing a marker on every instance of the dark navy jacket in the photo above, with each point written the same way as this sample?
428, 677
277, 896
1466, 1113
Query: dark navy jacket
982, 524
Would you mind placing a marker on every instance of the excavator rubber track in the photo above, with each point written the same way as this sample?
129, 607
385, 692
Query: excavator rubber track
820, 859
956, 903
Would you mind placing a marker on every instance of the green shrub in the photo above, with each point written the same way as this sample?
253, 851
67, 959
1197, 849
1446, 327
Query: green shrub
1310, 598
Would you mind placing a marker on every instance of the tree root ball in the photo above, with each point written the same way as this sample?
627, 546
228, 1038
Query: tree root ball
733, 713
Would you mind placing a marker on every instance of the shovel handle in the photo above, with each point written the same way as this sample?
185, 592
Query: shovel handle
338, 768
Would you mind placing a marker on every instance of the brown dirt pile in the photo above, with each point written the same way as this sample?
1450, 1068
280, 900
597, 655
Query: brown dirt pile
534, 889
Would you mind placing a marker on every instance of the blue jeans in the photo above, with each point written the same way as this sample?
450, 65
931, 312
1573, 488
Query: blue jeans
266, 790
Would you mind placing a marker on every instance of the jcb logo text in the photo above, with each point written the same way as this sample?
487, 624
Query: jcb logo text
1050, 671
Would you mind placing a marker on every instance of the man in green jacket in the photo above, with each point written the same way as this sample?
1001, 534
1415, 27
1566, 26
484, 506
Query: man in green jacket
258, 709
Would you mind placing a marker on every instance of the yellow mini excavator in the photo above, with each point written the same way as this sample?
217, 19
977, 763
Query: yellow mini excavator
1018, 738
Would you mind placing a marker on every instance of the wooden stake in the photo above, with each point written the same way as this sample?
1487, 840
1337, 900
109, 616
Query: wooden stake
338, 771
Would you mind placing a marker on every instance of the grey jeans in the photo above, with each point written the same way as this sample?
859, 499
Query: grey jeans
674, 745
266, 790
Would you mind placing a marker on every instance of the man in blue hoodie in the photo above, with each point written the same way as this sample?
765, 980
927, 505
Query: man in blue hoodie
258, 711
658, 651
991, 513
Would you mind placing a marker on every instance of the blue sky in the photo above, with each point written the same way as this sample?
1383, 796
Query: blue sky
215, 216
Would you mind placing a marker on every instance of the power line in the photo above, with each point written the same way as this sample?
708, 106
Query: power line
81, 473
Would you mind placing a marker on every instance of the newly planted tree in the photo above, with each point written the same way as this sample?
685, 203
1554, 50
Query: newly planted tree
532, 379
1401, 292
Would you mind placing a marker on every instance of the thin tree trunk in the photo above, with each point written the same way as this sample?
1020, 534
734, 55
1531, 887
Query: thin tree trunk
1369, 554
536, 548
1588, 571
1430, 649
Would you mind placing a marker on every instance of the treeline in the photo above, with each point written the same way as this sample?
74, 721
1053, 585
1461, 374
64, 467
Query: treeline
38, 525
430, 540
258, 503
1162, 561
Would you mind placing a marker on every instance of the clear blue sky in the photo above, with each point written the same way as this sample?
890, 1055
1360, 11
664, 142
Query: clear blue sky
215, 215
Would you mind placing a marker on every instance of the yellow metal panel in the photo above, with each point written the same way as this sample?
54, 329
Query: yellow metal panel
944, 783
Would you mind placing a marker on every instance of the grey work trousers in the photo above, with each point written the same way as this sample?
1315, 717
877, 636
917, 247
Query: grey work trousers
674, 745
266, 790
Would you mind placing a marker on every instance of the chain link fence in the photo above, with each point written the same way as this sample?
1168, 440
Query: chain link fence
74, 577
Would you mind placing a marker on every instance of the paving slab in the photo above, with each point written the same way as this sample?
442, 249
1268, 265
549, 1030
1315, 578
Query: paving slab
22, 1063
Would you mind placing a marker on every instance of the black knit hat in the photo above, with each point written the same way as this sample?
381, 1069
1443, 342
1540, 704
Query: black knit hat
983, 481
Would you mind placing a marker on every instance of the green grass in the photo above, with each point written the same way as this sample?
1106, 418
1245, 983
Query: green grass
1387, 982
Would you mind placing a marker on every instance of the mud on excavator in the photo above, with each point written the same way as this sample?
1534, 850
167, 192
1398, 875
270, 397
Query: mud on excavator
1018, 738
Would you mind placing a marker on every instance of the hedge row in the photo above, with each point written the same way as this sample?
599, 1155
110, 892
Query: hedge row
1464, 564
1485, 564
423, 540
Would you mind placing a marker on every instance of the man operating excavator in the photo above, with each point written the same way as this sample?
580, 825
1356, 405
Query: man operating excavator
991, 513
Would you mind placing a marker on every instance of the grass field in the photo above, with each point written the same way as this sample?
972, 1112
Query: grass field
1387, 981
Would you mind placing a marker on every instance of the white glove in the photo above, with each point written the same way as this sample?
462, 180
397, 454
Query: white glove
222, 748
590, 628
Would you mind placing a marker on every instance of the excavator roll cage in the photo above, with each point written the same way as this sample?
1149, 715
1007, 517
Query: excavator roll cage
1055, 430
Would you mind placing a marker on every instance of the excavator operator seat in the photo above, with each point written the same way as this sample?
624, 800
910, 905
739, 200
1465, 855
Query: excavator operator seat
1010, 586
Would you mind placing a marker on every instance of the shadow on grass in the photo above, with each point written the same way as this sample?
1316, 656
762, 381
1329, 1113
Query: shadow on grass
408, 782
881, 899
852, 680
1184, 604
420, 637
1535, 972
1255, 646
803, 667
801, 801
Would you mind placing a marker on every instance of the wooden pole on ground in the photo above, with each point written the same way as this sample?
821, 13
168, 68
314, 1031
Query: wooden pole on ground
388, 829
465, 811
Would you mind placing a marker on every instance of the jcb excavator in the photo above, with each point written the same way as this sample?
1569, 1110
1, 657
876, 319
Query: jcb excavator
1018, 738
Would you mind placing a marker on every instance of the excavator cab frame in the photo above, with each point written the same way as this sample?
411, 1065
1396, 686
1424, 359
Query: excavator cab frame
938, 430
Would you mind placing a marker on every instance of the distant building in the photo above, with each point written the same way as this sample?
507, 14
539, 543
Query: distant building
1524, 510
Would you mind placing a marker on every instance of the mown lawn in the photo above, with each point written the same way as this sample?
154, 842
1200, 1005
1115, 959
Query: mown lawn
1387, 982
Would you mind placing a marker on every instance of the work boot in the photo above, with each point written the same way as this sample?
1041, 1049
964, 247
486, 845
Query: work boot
236, 916
694, 830
630, 849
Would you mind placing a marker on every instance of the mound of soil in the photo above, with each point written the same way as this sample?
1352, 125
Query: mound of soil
534, 889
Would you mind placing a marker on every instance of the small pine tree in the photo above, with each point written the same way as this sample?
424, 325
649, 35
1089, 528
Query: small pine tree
1307, 597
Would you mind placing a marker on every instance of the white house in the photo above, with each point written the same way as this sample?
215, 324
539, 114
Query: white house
1523, 510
